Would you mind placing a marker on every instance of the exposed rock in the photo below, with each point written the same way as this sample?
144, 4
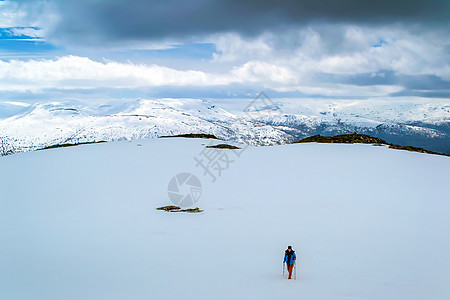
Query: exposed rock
223, 146
193, 136
362, 139
414, 149
69, 145
192, 210
169, 208
344, 139
173, 208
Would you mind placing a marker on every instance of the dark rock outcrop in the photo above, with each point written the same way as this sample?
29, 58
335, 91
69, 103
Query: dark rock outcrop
223, 146
344, 139
356, 138
193, 136
173, 208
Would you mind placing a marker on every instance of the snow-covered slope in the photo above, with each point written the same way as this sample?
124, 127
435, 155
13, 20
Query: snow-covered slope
366, 222
421, 124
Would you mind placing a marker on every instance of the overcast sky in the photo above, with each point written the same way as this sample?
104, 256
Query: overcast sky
220, 49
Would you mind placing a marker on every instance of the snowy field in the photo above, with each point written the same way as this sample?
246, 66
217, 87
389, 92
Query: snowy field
366, 223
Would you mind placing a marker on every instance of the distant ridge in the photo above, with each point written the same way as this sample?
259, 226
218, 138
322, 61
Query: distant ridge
356, 138
193, 136
343, 139
69, 145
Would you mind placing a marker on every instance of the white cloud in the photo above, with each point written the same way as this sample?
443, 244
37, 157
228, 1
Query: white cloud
10, 14
25, 14
233, 47
258, 71
83, 73
27, 32
340, 49
73, 72
297, 60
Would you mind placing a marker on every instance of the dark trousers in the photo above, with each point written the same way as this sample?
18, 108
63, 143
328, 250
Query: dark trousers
289, 268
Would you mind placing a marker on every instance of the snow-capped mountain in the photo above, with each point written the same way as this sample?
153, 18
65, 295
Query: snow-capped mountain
25, 128
42, 125
425, 125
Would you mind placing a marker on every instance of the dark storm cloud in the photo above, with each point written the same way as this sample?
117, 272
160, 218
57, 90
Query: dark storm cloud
146, 19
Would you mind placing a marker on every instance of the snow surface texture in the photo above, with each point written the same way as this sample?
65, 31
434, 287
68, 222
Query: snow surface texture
366, 223
263, 123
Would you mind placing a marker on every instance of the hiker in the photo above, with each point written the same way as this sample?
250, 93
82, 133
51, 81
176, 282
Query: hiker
289, 259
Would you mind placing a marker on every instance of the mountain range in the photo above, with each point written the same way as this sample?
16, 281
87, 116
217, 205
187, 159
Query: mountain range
262, 122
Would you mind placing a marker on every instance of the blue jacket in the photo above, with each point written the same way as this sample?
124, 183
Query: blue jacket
290, 259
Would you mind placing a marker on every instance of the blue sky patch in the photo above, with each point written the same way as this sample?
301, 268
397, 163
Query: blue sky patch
13, 33
17, 41
380, 43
